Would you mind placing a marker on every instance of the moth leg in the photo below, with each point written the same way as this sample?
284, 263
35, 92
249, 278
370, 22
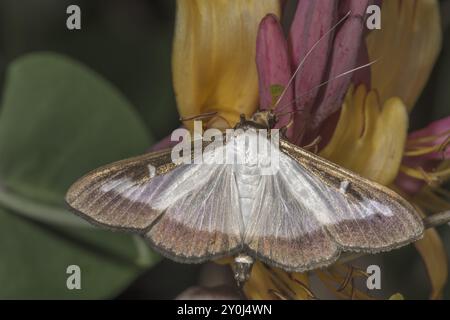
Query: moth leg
304, 287
279, 295
281, 289
347, 280
314, 145
201, 116
284, 128
287, 288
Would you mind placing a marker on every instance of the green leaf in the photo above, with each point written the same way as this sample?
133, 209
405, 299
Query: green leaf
58, 121
35, 260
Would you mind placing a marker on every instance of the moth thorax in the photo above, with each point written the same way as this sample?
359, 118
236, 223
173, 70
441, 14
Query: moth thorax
264, 118
242, 268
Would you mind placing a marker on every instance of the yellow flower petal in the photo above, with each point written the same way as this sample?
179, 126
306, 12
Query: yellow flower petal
268, 283
433, 199
369, 138
434, 256
339, 280
213, 62
407, 46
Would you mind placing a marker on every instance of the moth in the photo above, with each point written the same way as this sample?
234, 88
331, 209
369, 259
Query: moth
301, 217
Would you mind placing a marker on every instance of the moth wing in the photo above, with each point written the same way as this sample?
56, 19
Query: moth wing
310, 210
118, 195
283, 233
178, 208
204, 222
360, 215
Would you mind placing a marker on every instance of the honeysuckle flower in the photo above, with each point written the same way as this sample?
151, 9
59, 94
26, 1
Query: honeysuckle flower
214, 57
370, 135
362, 117
335, 54
425, 157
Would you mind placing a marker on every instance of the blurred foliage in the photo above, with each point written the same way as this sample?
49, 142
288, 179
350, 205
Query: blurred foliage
434, 102
128, 42
441, 81
58, 121
64, 113
65, 121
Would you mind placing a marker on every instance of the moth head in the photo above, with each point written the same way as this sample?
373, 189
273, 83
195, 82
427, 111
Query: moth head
265, 118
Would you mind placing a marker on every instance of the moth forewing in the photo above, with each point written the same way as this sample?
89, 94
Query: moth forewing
365, 215
189, 212
114, 195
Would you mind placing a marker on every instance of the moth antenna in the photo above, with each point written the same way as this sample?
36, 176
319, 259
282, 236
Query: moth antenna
302, 62
321, 85
289, 112
315, 88
201, 116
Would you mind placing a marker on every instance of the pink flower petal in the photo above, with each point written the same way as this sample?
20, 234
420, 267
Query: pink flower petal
412, 185
362, 76
273, 64
436, 128
409, 184
312, 20
439, 129
346, 49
